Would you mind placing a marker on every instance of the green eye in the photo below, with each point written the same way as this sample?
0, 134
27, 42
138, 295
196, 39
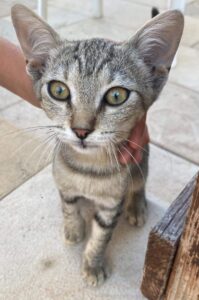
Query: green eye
116, 96
58, 90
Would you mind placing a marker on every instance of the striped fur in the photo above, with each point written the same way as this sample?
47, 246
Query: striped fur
89, 169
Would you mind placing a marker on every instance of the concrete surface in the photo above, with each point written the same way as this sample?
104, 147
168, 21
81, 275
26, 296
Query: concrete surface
35, 262
174, 123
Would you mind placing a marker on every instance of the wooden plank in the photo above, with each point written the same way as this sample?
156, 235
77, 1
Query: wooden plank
162, 245
184, 279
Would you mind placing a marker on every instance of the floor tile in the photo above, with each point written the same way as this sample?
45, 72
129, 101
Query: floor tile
5, 5
48, 269
58, 16
134, 15
25, 115
126, 13
174, 123
160, 4
82, 7
7, 99
168, 175
192, 9
186, 72
190, 34
95, 28
163, 4
85, 7
21, 156
196, 46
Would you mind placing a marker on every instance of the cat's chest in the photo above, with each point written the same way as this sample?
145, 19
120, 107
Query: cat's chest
97, 188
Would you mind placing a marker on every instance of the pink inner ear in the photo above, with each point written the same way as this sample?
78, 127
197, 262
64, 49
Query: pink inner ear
35, 68
35, 64
157, 41
35, 36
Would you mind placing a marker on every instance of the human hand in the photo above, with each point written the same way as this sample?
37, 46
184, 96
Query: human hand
132, 151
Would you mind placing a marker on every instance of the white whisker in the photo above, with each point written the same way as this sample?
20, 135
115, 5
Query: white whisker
42, 143
126, 164
137, 164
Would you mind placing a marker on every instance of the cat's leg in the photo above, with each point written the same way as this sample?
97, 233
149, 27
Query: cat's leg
74, 224
94, 268
136, 208
136, 204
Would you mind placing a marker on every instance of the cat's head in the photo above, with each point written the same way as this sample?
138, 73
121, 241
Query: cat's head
97, 89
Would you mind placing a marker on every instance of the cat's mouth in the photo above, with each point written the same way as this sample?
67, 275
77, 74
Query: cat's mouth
83, 145
78, 143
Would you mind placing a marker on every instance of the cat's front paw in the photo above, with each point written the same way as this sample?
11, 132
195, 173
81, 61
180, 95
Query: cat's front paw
137, 215
94, 276
74, 233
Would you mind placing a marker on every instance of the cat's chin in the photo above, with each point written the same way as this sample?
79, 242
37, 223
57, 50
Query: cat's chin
83, 147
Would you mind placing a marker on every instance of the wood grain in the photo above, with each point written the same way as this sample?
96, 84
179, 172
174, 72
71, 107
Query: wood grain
162, 245
184, 279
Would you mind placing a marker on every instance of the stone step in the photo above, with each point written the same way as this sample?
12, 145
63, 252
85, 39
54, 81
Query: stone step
20, 154
35, 262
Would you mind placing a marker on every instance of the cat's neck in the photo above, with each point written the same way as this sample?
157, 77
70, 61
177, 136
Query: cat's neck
96, 161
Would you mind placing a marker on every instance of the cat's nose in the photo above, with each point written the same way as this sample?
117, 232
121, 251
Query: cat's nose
81, 133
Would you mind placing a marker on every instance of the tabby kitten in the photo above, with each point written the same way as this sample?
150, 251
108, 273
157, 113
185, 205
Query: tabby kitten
96, 90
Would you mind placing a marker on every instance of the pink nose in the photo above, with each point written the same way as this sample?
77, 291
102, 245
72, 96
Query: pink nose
81, 133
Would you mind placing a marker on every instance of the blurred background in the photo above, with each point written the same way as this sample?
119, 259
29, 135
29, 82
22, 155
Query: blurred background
173, 120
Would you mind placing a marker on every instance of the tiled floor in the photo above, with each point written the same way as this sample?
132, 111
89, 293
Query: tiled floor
31, 217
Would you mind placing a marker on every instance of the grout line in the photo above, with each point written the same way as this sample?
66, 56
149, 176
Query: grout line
64, 25
158, 145
10, 105
194, 44
182, 86
28, 178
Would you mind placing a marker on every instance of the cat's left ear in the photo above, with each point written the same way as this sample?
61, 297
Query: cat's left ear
36, 38
157, 41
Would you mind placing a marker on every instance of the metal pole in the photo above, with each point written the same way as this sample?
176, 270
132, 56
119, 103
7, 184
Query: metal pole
42, 8
97, 8
177, 4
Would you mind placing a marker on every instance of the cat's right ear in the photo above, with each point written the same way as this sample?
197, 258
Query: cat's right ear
36, 38
157, 41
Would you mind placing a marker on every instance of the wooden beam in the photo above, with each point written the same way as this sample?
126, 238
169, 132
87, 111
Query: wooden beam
184, 279
162, 245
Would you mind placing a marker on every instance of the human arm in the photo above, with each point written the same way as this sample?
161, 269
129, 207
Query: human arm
13, 74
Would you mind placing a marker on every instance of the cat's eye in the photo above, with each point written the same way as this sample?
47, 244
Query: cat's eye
116, 96
58, 90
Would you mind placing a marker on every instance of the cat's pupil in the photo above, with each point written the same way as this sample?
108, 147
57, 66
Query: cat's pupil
116, 95
59, 90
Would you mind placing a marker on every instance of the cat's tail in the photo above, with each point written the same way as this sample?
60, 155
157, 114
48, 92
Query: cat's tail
154, 12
